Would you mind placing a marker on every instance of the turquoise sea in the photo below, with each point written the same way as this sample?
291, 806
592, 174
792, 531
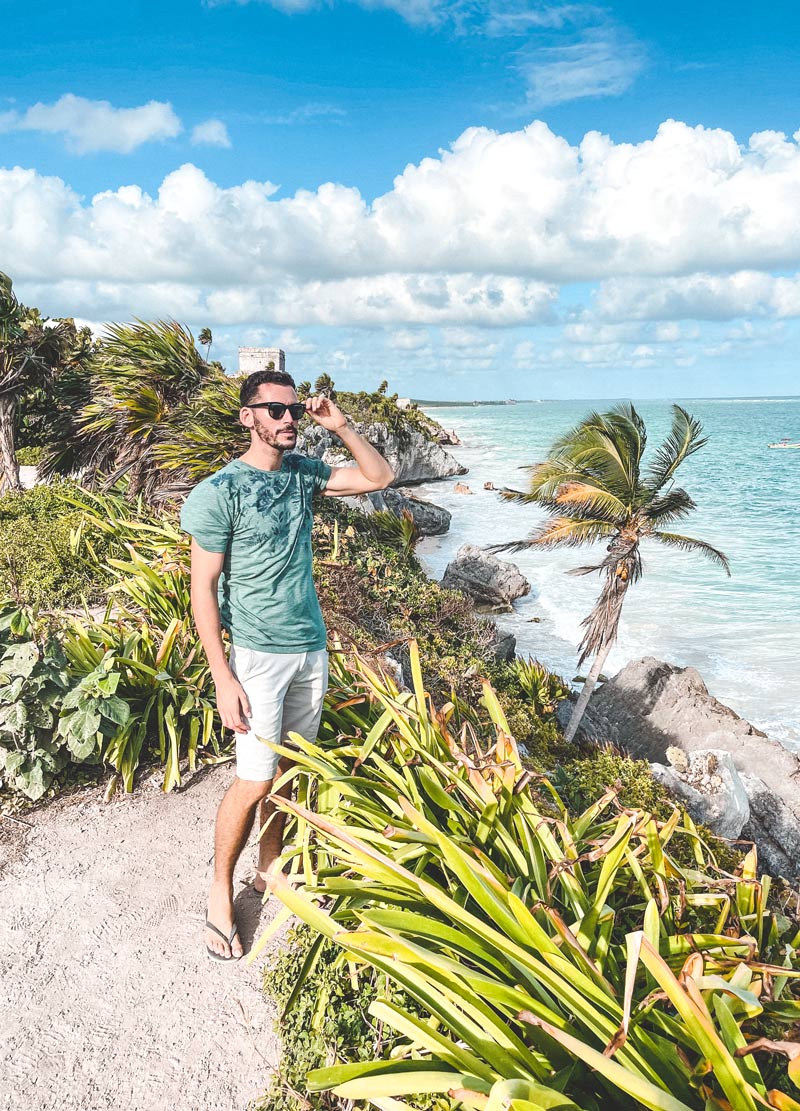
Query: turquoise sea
741, 633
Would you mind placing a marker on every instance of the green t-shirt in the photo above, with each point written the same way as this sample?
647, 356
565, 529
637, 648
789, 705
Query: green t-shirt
262, 521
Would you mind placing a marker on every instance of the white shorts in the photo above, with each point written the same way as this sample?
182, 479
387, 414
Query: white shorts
286, 691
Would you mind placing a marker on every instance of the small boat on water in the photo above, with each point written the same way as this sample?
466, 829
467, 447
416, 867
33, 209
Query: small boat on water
785, 442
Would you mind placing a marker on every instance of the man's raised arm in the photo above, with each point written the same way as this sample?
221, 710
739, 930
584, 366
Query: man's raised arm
371, 471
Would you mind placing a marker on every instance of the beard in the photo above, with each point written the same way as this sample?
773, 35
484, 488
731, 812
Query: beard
281, 440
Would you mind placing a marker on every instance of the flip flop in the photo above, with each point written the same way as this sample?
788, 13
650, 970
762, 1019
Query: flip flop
228, 940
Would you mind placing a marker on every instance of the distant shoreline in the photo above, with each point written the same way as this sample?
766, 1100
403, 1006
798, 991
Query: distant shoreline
425, 404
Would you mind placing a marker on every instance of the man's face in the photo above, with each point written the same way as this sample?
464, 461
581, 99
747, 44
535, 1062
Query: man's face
280, 433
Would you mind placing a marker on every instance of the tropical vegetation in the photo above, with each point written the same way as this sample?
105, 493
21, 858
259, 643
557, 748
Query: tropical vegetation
522, 955
489, 918
594, 487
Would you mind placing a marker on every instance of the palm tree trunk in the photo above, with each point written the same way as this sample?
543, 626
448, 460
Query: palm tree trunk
9, 479
586, 693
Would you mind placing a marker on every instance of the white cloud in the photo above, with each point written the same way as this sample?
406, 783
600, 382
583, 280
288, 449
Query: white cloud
290, 340
600, 62
211, 133
700, 297
96, 125
304, 113
416, 12
687, 225
408, 339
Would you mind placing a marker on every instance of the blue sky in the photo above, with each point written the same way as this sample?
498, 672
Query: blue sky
366, 184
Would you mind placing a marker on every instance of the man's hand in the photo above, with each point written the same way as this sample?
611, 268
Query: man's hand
232, 703
323, 411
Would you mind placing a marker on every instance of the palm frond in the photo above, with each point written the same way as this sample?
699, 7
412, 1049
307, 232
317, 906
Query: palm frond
690, 544
671, 506
684, 439
563, 532
587, 500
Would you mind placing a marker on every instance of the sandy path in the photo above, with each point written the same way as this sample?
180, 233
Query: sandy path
107, 998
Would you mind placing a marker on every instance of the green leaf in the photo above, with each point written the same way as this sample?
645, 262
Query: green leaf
115, 709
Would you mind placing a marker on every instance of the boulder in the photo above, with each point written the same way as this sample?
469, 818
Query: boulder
774, 827
650, 706
505, 647
710, 787
492, 583
430, 519
413, 457
462, 488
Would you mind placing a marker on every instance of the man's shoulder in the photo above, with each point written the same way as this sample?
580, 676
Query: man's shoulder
304, 464
221, 482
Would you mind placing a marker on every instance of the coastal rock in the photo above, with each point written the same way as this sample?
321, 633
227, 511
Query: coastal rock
775, 829
462, 488
430, 519
492, 583
446, 437
505, 647
650, 706
710, 787
413, 457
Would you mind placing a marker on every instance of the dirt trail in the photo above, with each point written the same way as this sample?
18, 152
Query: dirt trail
107, 998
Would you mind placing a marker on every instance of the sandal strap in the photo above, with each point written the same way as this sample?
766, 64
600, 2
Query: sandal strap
219, 933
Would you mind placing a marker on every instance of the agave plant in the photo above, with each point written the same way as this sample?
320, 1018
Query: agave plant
397, 530
544, 689
594, 487
565, 961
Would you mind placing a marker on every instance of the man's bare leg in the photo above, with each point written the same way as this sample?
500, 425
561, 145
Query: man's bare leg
270, 844
234, 822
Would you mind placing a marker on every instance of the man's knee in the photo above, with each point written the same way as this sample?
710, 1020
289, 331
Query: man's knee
252, 791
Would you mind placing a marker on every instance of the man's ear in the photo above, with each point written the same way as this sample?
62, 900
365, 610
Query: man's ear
246, 416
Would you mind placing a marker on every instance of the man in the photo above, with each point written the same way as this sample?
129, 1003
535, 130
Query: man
251, 574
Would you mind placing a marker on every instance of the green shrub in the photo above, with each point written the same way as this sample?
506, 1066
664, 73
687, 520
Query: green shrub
43, 562
33, 680
29, 456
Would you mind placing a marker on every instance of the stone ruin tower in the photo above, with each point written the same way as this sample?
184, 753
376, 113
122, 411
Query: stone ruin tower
252, 359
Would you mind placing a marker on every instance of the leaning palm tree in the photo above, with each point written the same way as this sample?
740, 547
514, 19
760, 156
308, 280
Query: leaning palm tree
30, 351
205, 339
594, 488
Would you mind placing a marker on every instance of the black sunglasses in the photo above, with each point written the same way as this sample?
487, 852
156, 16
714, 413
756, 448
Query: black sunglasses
276, 409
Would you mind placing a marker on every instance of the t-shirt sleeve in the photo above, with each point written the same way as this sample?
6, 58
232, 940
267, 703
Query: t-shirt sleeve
319, 471
206, 515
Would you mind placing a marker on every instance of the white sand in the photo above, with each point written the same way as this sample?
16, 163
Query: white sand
107, 998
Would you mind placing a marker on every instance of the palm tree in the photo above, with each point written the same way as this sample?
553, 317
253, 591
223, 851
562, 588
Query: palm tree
324, 384
205, 339
593, 488
30, 351
115, 414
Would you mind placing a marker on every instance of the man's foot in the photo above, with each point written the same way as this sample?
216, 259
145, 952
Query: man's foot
220, 912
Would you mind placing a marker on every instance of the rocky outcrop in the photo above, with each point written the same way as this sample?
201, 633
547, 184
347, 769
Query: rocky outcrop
492, 583
505, 647
430, 519
710, 787
413, 457
652, 706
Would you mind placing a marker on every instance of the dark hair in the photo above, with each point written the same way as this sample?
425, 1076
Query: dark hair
249, 387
